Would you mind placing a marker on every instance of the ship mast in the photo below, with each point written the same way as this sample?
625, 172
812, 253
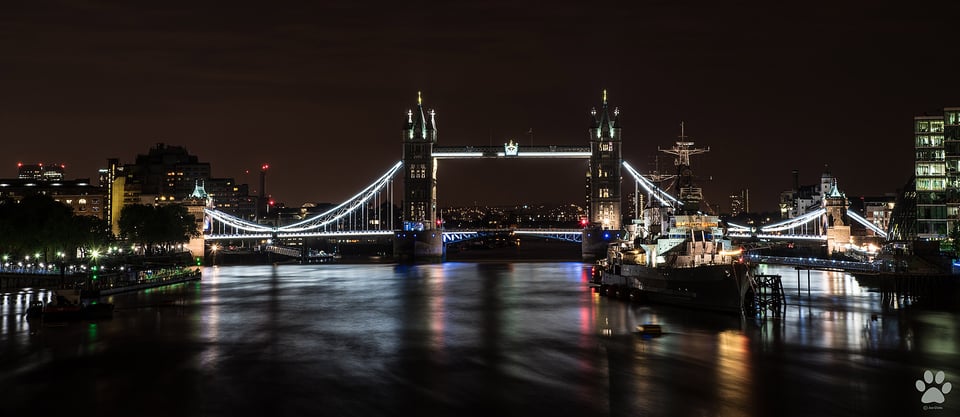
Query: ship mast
689, 194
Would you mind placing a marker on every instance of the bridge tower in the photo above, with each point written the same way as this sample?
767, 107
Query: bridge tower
420, 239
838, 233
603, 181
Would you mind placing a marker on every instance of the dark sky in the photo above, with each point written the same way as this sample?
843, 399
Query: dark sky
319, 89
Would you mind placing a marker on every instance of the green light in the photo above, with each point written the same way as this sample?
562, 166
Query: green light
198, 261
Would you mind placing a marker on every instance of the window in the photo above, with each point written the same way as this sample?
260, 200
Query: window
418, 171
953, 118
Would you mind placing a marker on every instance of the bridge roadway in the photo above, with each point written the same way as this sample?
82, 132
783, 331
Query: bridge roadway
468, 152
449, 235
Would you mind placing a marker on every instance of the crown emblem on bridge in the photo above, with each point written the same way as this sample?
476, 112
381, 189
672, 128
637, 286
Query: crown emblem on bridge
511, 148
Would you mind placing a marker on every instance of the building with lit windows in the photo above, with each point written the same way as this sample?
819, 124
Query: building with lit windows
40, 172
803, 199
169, 175
937, 173
167, 171
80, 195
740, 202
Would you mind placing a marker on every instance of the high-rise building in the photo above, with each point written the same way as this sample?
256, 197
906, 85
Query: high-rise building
937, 173
740, 202
167, 171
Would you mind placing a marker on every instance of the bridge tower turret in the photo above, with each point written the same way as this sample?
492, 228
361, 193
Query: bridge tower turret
419, 238
603, 182
420, 174
838, 232
603, 177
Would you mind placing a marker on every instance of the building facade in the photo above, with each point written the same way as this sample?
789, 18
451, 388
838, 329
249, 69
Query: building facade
169, 174
937, 173
740, 202
40, 172
80, 195
805, 198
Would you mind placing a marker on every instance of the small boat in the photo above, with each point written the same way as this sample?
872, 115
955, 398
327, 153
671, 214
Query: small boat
63, 308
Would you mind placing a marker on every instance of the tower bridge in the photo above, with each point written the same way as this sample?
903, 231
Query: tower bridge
420, 236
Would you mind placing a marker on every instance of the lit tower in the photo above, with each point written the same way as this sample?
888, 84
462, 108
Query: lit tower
420, 169
419, 240
838, 232
603, 178
603, 182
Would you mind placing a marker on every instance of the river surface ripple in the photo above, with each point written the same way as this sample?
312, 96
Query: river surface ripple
471, 338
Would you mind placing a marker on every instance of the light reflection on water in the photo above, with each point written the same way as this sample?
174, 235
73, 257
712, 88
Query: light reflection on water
477, 339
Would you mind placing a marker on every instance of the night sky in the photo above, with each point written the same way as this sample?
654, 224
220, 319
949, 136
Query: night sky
319, 89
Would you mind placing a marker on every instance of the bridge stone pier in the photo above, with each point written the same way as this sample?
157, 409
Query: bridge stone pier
420, 238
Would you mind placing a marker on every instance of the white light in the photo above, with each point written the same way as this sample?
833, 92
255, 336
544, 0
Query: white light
444, 155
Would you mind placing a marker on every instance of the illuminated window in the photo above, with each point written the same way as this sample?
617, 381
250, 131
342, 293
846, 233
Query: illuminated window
953, 118
418, 171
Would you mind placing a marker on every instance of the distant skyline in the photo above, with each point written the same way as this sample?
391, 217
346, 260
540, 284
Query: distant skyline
320, 90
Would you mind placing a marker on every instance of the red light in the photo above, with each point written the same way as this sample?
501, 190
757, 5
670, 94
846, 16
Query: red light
265, 167
439, 222
19, 164
583, 222
271, 202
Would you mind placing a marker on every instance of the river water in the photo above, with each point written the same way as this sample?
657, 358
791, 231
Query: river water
471, 338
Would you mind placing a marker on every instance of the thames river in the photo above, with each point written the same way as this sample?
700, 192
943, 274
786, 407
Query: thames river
472, 338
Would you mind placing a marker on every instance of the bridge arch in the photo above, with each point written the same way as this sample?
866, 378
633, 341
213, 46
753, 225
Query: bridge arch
421, 154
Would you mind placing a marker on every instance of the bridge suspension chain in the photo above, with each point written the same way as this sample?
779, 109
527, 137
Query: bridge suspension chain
352, 214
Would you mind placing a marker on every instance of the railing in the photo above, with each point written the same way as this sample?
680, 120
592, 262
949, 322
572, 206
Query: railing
815, 263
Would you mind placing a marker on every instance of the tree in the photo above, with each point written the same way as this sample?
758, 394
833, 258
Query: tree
38, 224
157, 227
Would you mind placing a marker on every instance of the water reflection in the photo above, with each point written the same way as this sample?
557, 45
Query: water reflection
472, 339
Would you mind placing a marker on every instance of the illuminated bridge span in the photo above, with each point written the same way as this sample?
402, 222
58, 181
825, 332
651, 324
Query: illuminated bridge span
360, 215
825, 224
418, 233
568, 235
